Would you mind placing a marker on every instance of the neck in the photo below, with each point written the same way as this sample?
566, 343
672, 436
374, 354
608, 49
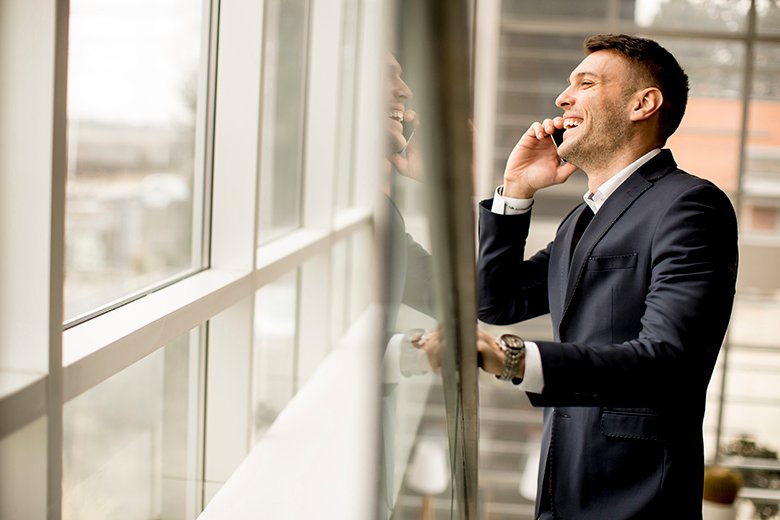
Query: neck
601, 171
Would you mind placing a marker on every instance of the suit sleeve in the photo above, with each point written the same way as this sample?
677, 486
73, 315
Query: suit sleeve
418, 285
511, 289
687, 307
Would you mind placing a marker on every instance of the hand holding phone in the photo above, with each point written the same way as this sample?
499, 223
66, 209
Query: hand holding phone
407, 160
408, 132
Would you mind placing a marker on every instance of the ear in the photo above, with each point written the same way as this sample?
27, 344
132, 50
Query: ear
645, 103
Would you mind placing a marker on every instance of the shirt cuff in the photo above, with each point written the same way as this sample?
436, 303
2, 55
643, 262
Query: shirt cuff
533, 379
509, 205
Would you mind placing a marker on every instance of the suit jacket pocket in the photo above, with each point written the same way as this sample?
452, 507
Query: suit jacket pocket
632, 424
608, 263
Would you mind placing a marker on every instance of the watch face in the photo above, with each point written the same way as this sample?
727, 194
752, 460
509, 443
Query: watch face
510, 341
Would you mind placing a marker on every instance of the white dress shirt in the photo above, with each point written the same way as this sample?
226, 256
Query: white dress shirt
533, 380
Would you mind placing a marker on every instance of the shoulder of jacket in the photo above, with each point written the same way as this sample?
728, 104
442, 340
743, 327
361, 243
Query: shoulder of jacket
678, 179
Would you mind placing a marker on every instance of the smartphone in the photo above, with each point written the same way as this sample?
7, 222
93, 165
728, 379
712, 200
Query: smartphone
557, 136
408, 131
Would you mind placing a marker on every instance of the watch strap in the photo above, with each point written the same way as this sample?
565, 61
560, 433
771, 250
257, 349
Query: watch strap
512, 357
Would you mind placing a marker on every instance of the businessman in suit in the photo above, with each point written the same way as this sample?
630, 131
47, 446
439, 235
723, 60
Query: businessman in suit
639, 283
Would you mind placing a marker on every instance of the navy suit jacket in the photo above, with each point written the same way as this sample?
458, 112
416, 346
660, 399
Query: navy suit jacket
639, 310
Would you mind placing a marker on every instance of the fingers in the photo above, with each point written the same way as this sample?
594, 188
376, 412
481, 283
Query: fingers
481, 334
395, 131
400, 163
431, 344
489, 354
410, 116
546, 128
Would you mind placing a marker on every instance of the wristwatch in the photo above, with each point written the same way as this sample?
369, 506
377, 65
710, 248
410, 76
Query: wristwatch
514, 350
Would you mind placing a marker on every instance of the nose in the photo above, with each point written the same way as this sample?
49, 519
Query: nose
564, 99
401, 90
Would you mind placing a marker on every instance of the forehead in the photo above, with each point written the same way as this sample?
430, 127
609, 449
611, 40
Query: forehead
605, 64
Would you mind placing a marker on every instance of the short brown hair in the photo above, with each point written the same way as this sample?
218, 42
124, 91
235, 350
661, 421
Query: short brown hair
657, 66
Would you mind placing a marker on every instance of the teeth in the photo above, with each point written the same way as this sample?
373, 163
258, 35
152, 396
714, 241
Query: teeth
397, 115
570, 123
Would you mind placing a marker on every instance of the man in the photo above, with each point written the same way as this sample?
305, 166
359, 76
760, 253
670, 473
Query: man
639, 282
410, 280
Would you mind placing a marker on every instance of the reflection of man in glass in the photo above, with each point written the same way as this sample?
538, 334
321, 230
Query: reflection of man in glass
639, 283
408, 291
402, 149
410, 264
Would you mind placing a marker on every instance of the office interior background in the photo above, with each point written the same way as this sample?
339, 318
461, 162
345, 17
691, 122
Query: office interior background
196, 267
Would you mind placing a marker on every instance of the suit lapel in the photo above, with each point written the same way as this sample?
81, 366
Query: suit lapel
614, 207
567, 233
567, 238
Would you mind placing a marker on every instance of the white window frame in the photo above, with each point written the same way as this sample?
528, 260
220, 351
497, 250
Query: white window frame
43, 367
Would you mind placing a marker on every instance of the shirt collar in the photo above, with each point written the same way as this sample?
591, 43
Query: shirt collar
596, 200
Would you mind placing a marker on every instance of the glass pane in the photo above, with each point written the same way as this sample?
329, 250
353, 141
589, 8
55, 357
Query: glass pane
754, 364
283, 108
361, 272
753, 401
346, 137
131, 445
756, 421
274, 350
533, 70
751, 408
555, 11
768, 16
429, 416
751, 374
313, 323
715, 72
339, 293
135, 99
687, 15
759, 227
761, 179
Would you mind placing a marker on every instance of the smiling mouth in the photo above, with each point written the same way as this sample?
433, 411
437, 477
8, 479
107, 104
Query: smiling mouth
397, 115
569, 123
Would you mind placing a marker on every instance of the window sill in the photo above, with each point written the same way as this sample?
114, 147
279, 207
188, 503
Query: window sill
103, 346
299, 245
289, 473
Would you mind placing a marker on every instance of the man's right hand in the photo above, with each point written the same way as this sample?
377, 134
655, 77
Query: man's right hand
534, 163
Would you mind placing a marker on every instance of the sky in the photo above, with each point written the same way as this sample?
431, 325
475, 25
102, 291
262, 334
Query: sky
128, 67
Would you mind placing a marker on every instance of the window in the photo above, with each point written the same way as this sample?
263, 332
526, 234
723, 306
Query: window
132, 444
273, 373
216, 240
135, 152
284, 103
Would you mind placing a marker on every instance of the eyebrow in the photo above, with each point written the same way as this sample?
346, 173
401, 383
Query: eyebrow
580, 75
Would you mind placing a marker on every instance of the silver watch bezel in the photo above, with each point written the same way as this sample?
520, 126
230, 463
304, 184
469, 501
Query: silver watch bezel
513, 347
504, 342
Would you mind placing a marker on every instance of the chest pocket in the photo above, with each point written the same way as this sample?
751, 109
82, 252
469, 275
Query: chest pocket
634, 424
612, 262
